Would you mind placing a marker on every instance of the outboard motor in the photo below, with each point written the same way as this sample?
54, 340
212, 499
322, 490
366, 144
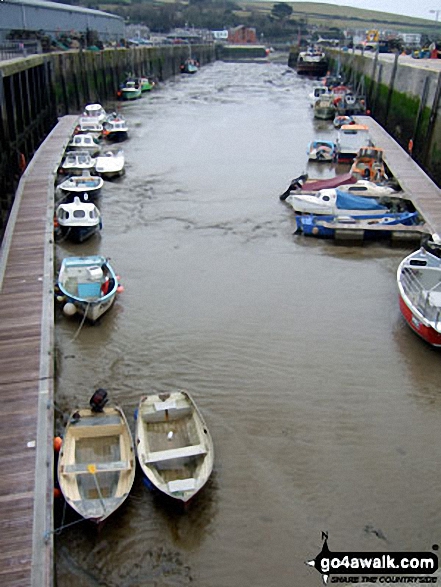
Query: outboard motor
98, 400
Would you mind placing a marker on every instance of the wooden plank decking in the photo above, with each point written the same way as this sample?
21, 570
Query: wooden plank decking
424, 193
26, 372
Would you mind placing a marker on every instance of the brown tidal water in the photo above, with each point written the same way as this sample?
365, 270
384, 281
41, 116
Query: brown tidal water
324, 407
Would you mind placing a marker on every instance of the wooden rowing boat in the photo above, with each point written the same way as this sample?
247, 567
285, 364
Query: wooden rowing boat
174, 446
96, 466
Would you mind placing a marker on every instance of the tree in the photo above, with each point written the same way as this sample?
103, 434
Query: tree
281, 10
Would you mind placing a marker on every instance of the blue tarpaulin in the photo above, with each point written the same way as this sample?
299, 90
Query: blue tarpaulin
349, 202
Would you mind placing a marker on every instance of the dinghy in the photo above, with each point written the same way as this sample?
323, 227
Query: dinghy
87, 285
76, 162
96, 465
84, 142
81, 184
110, 164
174, 446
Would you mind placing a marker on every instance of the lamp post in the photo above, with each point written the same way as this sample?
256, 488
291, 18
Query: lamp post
436, 13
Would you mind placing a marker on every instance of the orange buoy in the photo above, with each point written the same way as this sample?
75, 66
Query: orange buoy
57, 443
120, 288
57, 493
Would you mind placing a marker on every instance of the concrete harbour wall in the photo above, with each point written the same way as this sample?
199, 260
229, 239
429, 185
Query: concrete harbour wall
404, 98
36, 90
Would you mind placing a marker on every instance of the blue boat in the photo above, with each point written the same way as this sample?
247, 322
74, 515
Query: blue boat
359, 227
322, 150
87, 285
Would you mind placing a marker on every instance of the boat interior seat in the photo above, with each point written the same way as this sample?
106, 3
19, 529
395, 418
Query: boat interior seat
175, 453
434, 298
81, 468
182, 485
173, 412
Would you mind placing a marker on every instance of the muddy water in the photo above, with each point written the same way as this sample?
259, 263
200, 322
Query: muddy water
324, 407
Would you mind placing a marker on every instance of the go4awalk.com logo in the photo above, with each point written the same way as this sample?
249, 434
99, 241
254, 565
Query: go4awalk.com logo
375, 567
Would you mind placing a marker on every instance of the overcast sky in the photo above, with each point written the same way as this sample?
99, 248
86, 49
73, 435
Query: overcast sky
417, 8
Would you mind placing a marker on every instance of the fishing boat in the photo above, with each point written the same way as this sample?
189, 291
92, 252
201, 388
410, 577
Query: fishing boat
95, 112
174, 446
365, 226
96, 464
130, 90
84, 142
89, 125
110, 164
369, 164
146, 84
324, 108
87, 285
312, 62
419, 288
77, 162
81, 184
78, 220
321, 150
350, 139
116, 129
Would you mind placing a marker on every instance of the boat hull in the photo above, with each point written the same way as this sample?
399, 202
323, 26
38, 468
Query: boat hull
79, 234
425, 331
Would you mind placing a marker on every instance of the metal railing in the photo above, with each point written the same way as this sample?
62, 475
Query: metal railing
420, 297
15, 49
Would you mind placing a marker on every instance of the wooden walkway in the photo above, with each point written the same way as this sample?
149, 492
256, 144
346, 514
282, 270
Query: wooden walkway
424, 193
26, 372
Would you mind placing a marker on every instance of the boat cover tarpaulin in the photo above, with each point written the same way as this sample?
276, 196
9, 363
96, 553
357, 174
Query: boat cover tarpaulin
349, 202
332, 182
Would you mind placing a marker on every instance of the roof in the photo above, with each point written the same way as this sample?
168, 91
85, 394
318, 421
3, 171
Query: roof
57, 6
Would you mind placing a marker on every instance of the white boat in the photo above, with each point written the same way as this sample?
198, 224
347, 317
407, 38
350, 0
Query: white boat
89, 125
318, 92
110, 164
364, 187
419, 287
313, 61
350, 138
96, 112
87, 285
174, 447
324, 108
85, 142
78, 220
76, 162
333, 201
116, 129
81, 184
96, 464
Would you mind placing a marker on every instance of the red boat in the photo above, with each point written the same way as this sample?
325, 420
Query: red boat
419, 286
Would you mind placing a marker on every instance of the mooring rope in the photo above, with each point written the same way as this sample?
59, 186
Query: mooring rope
82, 322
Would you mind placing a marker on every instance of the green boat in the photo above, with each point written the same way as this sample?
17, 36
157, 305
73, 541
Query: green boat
130, 91
145, 84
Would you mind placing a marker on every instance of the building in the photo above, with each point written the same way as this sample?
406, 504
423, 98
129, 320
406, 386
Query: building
242, 35
54, 19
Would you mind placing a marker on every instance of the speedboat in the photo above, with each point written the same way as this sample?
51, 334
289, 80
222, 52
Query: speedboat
116, 129
78, 220
146, 84
419, 288
317, 92
174, 447
110, 164
76, 162
333, 201
85, 142
96, 464
95, 112
81, 184
321, 150
340, 120
189, 66
87, 285
89, 125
